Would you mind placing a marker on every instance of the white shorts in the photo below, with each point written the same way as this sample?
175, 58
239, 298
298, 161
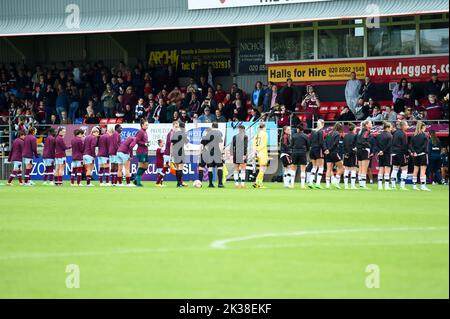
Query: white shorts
167, 159
103, 160
60, 161
17, 165
77, 164
88, 159
123, 158
49, 162
113, 159
27, 160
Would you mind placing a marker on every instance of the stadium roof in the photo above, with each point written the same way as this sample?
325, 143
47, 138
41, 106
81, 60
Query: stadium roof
24, 17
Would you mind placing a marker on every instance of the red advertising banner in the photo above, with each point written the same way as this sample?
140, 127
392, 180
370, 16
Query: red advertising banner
415, 69
380, 70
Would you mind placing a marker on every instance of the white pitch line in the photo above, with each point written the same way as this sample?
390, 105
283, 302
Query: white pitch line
222, 244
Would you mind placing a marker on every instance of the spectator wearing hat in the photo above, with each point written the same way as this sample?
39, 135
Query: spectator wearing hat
207, 117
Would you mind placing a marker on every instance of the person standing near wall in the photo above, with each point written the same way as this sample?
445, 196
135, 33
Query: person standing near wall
352, 92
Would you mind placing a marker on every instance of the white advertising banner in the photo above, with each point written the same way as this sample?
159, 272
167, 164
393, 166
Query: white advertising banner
218, 4
159, 131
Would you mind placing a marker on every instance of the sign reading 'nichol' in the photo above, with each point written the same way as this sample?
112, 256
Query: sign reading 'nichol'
217, 4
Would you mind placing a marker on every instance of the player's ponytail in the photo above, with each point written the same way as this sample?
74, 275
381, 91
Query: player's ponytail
143, 121
386, 125
60, 129
283, 134
32, 130
419, 127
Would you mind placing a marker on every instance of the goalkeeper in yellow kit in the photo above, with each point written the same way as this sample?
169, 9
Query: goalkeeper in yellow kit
260, 148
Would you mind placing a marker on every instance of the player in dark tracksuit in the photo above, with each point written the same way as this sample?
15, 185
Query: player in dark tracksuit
419, 151
316, 155
400, 155
239, 150
332, 156
364, 142
286, 157
350, 160
300, 148
383, 149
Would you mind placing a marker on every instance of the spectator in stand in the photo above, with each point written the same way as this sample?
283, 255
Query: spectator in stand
311, 104
268, 97
352, 92
220, 94
129, 97
184, 117
433, 108
175, 95
62, 102
290, 95
90, 117
411, 96
74, 103
367, 91
445, 106
207, 117
40, 115
139, 111
253, 116
398, 95
346, 115
53, 120
171, 109
159, 114
194, 105
228, 108
219, 117
389, 114
128, 114
362, 110
192, 85
175, 117
258, 96
65, 118
407, 115
376, 116
434, 87
237, 93
240, 111
283, 117
203, 87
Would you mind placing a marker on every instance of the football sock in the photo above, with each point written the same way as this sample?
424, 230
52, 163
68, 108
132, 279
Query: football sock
12, 176
210, 177
394, 175
353, 178
303, 179
220, 176
346, 177
403, 178
242, 177
387, 180
319, 175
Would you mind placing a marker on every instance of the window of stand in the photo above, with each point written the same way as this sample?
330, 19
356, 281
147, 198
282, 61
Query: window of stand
347, 39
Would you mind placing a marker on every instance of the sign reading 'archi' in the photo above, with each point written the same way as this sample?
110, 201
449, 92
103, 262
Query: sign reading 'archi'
218, 4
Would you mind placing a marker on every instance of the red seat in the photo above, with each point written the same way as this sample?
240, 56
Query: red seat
333, 109
323, 110
330, 116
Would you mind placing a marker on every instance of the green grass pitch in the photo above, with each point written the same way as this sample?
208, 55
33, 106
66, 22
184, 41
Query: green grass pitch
202, 243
